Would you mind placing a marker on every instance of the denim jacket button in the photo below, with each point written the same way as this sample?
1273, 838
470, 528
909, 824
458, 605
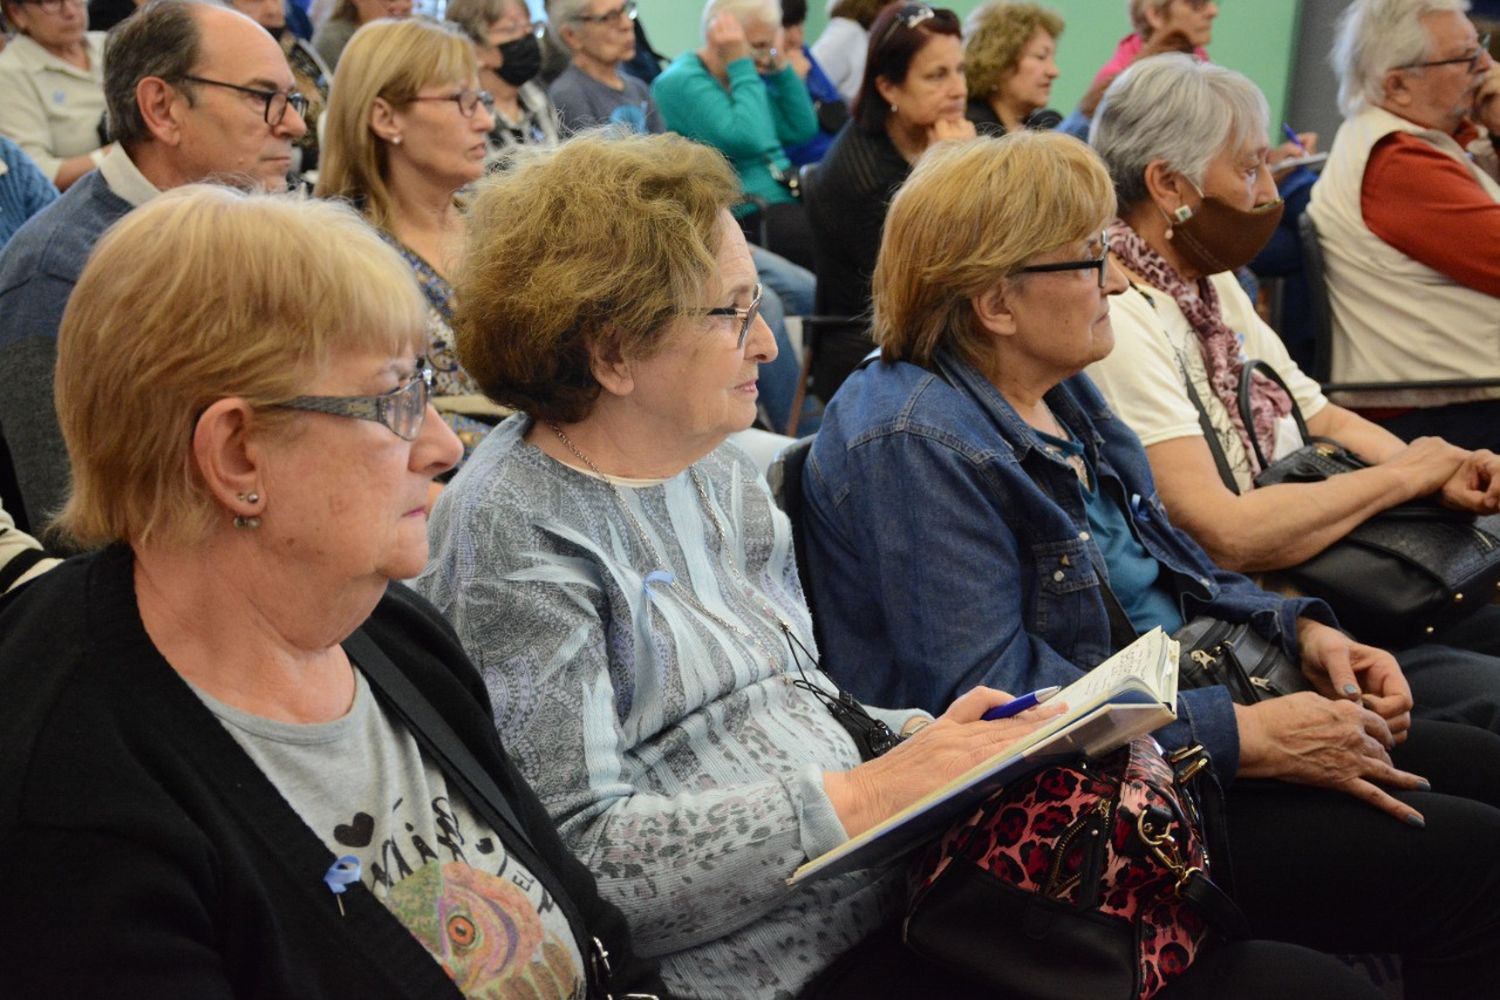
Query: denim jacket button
1083, 536
1059, 576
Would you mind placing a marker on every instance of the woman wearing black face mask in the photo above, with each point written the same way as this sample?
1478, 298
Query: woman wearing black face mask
508, 45
1185, 143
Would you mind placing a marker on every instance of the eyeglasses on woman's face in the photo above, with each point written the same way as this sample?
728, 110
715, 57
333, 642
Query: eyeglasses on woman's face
1099, 263
468, 101
276, 101
746, 316
402, 409
618, 15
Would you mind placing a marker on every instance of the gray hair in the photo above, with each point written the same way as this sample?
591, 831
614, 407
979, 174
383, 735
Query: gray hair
1174, 108
1376, 36
563, 12
476, 16
1136, 11
162, 39
743, 11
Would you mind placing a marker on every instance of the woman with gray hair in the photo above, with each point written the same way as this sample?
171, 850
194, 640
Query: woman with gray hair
1185, 143
740, 95
592, 90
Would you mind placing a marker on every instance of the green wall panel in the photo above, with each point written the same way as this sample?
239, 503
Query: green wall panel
1256, 37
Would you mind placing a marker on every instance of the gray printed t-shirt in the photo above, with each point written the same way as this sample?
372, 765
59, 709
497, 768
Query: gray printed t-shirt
583, 102
363, 785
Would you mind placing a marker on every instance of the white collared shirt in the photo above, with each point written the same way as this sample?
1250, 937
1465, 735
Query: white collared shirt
125, 178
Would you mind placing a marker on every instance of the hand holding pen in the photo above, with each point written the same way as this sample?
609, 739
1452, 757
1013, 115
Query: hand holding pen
1018, 705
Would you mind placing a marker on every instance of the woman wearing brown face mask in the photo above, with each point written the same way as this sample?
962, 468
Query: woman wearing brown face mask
1185, 143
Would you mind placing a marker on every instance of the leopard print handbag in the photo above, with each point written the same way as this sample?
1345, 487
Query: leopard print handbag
1088, 878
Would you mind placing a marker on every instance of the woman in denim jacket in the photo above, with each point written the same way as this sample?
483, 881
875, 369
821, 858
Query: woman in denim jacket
966, 495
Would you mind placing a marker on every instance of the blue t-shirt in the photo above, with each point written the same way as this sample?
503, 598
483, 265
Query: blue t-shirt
1134, 576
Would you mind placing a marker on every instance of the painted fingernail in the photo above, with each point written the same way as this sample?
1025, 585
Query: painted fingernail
1351, 690
1412, 819
1423, 785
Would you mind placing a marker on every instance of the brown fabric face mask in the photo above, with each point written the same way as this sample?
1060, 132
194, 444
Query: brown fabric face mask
1219, 237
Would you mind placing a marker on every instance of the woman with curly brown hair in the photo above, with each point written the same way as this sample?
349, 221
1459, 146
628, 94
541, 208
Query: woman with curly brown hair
1010, 62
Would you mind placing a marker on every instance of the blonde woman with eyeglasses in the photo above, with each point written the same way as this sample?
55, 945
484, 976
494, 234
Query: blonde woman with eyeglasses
408, 129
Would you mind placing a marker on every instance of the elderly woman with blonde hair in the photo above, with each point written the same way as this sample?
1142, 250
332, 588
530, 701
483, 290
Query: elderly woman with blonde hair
976, 514
1010, 61
408, 127
239, 762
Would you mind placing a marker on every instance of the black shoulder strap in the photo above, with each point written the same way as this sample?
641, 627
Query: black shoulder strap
432, 731
1210, 435
1247, 377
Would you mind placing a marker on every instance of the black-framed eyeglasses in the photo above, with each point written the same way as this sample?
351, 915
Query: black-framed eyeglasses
746, 316
1099, 263
627, 11
1472, 59
401, 409
277, 101
468, 101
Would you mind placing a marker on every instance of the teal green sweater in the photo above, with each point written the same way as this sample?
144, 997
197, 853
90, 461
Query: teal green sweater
749, 123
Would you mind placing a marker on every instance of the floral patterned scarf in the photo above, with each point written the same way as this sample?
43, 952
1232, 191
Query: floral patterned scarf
1223, 357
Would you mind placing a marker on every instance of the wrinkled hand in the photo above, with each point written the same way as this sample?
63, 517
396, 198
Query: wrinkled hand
1487, 101
1346, 670
957, 741
1306, 739
1291, 151
726, 36
1475, 486
950, 128
1426, 465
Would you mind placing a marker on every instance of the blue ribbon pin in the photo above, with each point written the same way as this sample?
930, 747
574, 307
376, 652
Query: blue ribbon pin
341, 874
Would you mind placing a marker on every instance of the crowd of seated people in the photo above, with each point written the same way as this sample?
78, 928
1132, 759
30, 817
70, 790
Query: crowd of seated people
391, 604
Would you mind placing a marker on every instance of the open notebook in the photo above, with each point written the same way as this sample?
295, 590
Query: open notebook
1132, 692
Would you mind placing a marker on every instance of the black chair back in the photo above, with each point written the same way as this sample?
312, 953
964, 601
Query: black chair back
785, 477
1315, 272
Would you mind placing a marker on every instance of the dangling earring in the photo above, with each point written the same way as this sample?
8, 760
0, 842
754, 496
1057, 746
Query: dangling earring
1179, 214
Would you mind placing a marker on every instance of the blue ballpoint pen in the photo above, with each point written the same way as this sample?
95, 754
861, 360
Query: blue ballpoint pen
1020, 704
1292, 135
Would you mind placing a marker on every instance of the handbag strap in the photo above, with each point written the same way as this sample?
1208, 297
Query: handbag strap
1215, 906
432, 731
1247, 386
1210, 435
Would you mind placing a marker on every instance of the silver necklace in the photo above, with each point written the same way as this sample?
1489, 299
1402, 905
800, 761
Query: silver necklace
681, 589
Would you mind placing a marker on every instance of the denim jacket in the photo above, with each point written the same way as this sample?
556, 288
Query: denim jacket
947, 549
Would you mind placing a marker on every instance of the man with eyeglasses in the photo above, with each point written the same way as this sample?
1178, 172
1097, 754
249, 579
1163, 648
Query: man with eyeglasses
1408, 216
195, 92
593, 90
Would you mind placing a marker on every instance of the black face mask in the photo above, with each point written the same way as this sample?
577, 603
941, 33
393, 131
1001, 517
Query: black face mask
522, 60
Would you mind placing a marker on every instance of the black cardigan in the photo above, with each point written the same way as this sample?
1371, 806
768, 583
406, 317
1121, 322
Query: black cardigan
145, 855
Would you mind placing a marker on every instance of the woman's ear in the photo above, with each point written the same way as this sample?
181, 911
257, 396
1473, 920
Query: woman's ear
383, 121
887, 90
1168, 188
992, 310
227, 459
610, 368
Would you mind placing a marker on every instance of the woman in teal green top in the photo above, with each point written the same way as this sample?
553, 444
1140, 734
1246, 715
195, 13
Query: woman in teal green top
739, 94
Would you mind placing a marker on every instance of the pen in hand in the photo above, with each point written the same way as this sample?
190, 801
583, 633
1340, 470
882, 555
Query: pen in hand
1019, 705
1292, 135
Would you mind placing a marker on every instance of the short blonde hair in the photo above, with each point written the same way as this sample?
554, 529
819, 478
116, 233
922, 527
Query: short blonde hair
994, 37
390, 59
969, 215
600, 243
206, 293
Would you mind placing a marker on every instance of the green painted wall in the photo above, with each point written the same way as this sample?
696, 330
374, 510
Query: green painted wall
1256, 37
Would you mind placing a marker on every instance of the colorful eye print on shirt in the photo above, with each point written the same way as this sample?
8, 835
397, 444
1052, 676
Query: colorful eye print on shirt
485, 934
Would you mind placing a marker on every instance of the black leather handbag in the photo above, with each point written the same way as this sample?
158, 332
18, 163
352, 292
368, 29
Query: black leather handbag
1399, 576
1234, 655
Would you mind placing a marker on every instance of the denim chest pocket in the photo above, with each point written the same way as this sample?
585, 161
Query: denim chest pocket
1065, 567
